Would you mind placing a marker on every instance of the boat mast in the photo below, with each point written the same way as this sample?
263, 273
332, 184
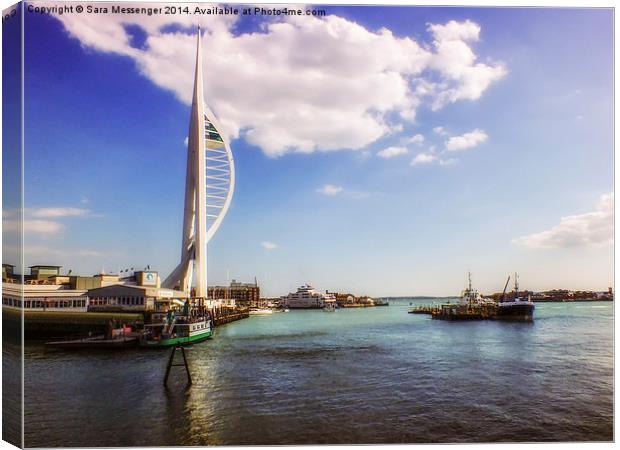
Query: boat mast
469, 293
516, 285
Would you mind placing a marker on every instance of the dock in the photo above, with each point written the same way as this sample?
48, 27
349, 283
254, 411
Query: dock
66, 324
223, 316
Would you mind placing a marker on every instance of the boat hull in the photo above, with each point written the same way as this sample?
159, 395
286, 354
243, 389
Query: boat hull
182, 340
95, 343
522, 312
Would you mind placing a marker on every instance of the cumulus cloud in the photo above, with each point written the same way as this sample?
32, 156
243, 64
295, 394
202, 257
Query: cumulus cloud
580, 230
43, 222
466, 141
448, 161
268, 245
464, 78
423, 158
391, 152
416, 139
58, 212
40, 227
302, 84
440, 130
330, 189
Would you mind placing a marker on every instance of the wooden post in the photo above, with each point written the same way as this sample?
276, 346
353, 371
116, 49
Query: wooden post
171, 364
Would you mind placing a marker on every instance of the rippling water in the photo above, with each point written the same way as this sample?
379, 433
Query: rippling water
373, 375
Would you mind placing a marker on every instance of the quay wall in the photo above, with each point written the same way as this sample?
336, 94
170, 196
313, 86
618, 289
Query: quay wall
60, 324
64, 324
223, 315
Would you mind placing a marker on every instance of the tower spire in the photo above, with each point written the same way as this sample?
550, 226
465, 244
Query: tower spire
206, 142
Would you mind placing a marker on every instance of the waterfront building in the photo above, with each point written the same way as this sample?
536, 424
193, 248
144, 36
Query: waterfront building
46, 289
307, 297
347, 300
209, 187
43, 297
8, 273
133, 298
43, 272
245, 294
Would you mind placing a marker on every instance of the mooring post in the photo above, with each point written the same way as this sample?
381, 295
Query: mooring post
171, 364
189, 375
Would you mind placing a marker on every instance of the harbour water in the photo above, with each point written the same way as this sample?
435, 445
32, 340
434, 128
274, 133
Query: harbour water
368, 375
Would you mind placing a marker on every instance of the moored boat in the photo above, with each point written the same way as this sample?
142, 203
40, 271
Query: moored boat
114, 338
117, 342
517, 306
260, 311
471, 306
183, 328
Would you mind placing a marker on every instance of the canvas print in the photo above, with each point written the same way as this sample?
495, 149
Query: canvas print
295, 224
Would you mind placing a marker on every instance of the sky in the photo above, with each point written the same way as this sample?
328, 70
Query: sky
378, 150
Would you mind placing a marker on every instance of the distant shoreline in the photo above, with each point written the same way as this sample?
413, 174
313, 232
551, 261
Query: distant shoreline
580, 300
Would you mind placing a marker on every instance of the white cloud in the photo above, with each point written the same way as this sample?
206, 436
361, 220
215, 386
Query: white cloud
466, 141
440, 130
423, 158
268, 245
330, 189
58, 212
40, 227
464, 77
448, 162
57, 254
43, 222
580, 230
186, 141
416, 139
456, 31
391, 152
302, 84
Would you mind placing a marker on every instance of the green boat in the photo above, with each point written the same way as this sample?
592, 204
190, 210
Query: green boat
179, 331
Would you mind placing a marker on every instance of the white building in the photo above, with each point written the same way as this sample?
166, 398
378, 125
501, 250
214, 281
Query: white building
17, 297
307, 297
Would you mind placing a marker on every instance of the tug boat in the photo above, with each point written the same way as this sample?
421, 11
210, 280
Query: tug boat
515, 307
471, 306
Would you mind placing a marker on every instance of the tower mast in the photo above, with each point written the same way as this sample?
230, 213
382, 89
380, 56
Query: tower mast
209, 187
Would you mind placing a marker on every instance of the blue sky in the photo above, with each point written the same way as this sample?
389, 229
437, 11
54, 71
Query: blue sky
105, 153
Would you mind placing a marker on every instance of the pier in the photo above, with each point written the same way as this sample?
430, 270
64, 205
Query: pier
61, 324
223, 316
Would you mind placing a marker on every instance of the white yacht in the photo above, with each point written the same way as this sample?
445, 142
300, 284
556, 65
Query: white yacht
307, 297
